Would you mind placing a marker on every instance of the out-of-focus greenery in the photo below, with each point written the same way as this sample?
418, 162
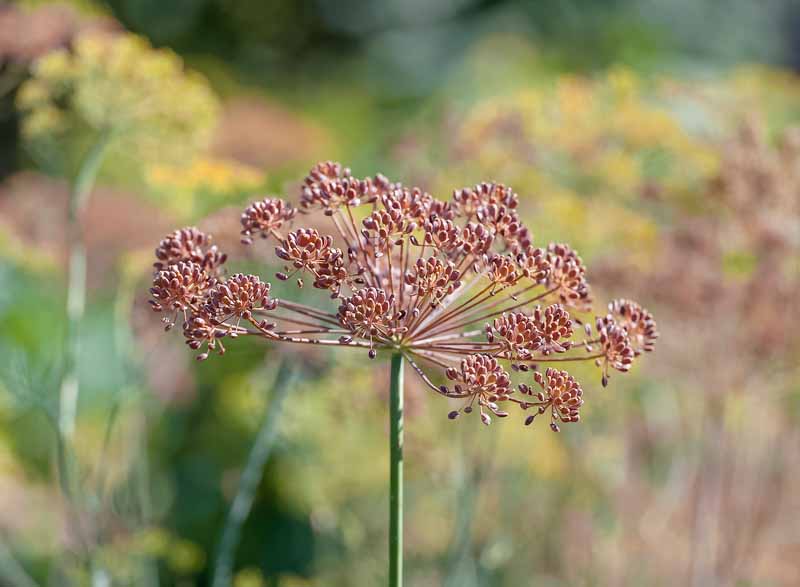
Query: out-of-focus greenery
117, 85
615, 129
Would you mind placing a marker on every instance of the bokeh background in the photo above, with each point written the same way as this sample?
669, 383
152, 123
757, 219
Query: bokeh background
661, 139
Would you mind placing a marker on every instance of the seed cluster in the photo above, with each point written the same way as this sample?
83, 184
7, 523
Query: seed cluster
179, 287
189, 244
457, 286
265, 218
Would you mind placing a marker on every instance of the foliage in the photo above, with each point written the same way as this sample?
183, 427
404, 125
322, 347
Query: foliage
116, 84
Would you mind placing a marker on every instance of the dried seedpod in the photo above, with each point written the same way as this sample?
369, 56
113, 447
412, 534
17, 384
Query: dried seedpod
637, 322
189, 244
265, 218
567, 276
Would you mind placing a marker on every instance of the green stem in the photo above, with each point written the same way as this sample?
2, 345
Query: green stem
12, 571
251, 476
76, 282
396, 473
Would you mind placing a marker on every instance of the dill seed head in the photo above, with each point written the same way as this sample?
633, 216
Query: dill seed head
554, 327
517, 334
615, 345
179, 287
383, 228
199, 330
468, 201
502, 270
433, 279
521, 243
534, 264
561, 394
369, 313
476, 239
265, 218
414, 275
482, 380
442, 234
329, 186
239, 296
188, 244
567, 276
305, 249
638, 323
502, 221
412, 204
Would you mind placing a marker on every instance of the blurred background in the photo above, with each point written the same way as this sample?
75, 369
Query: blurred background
660, 139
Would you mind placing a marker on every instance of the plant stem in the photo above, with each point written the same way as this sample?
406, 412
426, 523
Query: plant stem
12, 571
251, 476
76, 282
396, 473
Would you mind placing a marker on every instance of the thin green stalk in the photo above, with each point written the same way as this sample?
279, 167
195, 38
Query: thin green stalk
396, 473
251, 476
142, 491
76, 282
12, 571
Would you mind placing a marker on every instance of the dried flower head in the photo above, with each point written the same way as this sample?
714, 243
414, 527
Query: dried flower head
371, 314
483, 380
521, 243
265, 218
555, 328
417, 276
637, 322
534, 264
412, 203
567, 276
189, 244
307, 250
560, 393
615, 344
469, 201
330, 186
503, 222
442, 234
517, 334
239, 296
502, 271
476, 239
180, 287
201, 330
433, 278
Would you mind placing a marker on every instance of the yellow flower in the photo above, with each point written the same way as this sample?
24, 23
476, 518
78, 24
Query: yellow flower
203, 180
119, 83
32, 94
43, 120
54, 67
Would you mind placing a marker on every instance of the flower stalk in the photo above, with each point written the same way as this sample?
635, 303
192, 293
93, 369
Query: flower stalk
251, 476
396, 472
76, 282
